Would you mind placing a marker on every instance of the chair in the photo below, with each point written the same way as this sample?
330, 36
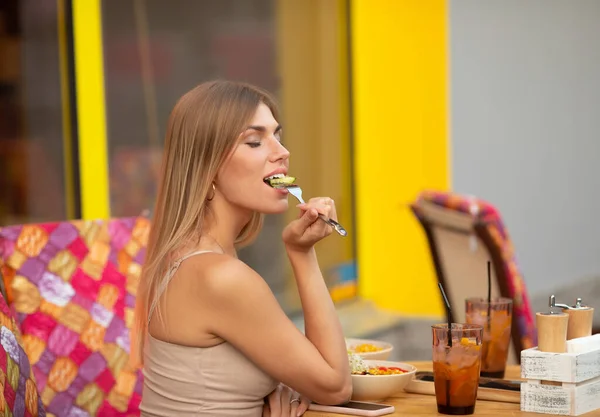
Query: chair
72, 285
463, 234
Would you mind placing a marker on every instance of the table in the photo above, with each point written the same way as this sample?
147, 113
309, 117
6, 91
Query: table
407, 404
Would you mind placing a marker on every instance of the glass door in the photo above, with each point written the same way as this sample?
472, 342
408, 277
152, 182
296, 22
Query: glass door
37, 181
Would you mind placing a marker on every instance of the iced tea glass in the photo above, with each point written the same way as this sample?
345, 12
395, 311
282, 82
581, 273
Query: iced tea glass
456, 368
496, 319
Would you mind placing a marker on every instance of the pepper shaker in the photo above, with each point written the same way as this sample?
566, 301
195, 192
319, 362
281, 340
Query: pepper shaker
580, 320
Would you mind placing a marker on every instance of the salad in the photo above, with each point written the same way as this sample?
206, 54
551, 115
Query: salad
357, 364
359, 367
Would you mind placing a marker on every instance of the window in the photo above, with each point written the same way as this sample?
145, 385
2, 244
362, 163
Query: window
35, 175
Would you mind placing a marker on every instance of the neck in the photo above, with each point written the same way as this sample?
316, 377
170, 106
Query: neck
225, 223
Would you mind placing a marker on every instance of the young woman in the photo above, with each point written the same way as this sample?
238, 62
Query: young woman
211, 336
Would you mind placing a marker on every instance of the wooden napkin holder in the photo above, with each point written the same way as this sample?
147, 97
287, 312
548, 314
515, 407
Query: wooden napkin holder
562, 383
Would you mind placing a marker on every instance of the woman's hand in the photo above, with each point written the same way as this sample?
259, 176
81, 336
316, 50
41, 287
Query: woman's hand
302, 233
285, 402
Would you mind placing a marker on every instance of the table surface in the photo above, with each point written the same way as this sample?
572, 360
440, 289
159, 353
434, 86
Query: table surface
408, 404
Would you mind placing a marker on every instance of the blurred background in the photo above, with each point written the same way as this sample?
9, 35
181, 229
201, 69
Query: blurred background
381, 99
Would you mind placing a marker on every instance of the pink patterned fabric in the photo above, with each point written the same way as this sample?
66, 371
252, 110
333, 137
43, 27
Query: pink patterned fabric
490, 218
73, 286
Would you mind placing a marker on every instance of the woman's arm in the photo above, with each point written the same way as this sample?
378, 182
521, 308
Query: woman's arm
242, 310
322, 325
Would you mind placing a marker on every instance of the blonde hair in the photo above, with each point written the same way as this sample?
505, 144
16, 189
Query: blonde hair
202, 131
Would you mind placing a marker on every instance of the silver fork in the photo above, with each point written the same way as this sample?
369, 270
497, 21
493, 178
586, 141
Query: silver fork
296, 191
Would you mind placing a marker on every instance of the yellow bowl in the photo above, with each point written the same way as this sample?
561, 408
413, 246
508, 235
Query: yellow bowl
385, 348
380, 387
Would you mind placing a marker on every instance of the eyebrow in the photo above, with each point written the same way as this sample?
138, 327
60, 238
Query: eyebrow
263, 129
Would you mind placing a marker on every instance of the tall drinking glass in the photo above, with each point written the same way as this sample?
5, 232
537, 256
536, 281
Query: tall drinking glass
496, 319
456, 368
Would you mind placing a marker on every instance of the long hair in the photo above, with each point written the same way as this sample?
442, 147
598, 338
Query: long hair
202, 131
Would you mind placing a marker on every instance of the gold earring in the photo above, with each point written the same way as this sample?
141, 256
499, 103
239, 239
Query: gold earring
214, 191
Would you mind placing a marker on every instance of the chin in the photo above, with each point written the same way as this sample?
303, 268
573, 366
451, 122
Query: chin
278, 207
270, 205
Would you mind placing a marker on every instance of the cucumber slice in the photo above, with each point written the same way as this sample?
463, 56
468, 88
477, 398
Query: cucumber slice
281, 182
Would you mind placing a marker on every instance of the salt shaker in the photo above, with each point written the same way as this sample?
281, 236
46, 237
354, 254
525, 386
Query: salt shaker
552, 331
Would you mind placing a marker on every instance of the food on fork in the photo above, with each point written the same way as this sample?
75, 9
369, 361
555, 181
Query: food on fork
280, 181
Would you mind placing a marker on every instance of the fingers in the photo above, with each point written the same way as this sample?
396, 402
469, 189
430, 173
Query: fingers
286, 398
324, 205
307, 230
302, 407
308, 217
275, 401
284, 402
312, 208
298, 404
294, 408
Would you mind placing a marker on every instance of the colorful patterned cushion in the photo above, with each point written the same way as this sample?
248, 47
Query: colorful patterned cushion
73, 287
489, 216
18, 392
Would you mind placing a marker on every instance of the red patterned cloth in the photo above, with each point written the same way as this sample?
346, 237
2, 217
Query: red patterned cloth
489, 216
73, 286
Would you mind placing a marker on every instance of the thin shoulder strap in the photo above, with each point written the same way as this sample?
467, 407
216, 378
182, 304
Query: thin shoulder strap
170, 273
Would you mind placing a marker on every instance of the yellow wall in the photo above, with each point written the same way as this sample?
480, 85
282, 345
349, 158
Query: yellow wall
89, 73
400, 89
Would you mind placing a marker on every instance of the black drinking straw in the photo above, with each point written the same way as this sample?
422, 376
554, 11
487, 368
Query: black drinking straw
489, 309
448, 311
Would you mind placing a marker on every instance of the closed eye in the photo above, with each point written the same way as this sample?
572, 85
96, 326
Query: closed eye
253, 144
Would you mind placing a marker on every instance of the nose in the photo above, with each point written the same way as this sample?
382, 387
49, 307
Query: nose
279, 152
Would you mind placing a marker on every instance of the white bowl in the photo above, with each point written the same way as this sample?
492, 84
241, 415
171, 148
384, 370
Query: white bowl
379, 387
383, 354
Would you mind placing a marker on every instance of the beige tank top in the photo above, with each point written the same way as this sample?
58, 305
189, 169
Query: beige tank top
192, 381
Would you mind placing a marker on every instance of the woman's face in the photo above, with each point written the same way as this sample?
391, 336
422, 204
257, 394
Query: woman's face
257, 155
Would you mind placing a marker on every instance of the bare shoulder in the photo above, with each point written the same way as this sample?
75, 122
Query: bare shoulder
217, 275
229, 293
205, 287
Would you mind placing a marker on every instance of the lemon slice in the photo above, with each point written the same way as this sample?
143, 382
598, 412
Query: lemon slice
465, 341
